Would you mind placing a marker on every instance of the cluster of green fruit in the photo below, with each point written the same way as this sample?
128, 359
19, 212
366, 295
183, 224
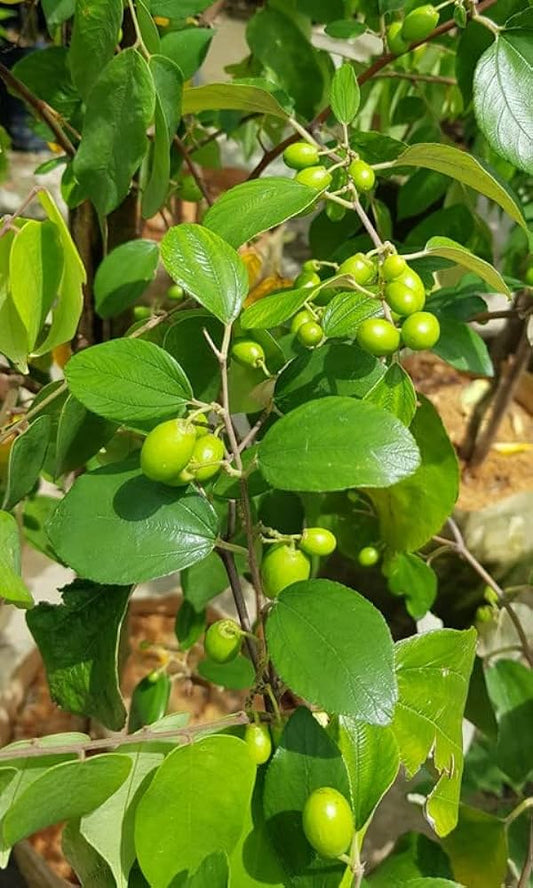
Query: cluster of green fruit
416, 26
305, 158
179, 451
288, 561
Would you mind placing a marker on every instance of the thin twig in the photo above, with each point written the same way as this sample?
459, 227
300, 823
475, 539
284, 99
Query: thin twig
41, 109
192, 169
250, 437
183, 735
8, 220
228, 560
416, 78
527, 869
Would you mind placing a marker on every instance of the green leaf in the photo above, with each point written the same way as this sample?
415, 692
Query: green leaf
346, 312
503, 82
336, 443
114, 142
207, 268
188, 49
79, 641
13, 335
305, 760
463, 348
156, 529
12, 587
411, 578
35, 269
231, 96
237, 675
186, 342
80, 435
58, 11
203, 581
334, 369
478, 708
345, 95
477, 849
168, 84
94, 38
66, 310
37, 511
411, 512
395, 392
371, 756
280, 45
256, 206
274, 309
128, 380
345, 29
510, 687
46, 74
194, 807
65, 791
26, 460
190, 625
465, 168
147, 27
178, 9
90, 868
317, 622
253, 861
449, 249
433, 672
421, 191
124, 275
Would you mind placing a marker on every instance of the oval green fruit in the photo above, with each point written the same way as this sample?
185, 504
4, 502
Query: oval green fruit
368, 556
419, 23
302, 317
259, 743
283, 565
420, 331
403, 299
306, 279
393, 267
378, 336
206, 457
300, 155
360, 268
223, 641
397, 45
248, 353
318, 541
364, 177
328, 822
310, 334
316, 177
167, 449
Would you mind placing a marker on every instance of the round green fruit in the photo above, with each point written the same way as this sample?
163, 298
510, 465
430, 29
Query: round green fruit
318, 541
402, 299
167, 449
393, 267
282, 565
316, 177
307, 279
421, 330
248, 353
175, 292
328, 822
360, 268
223, 641
141, 312
378, 336
302, 317
368, 557
311, 265
419, 23
364, 177
395, 41
310, 334
206, 457
300, 155
259, 743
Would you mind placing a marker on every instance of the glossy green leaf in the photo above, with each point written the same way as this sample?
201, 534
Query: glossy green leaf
411, 512
58, 11
317, 622
188, 49
449, 249
371, 756
231, 96
90, 868
464, 168
347, 311
345, 29
477, 849
26, 459
510, 687
213, 872
119, 109
79, 643
345, 95
503, 82
336, 443
280, 45
178, 9
411, 578
256, 206
204, 580
413, 857
12, 587
35, 269
433, 671
128, 380
94, 38
64, 792
334, 369
253, 861
124, 275
186, 342
190, 625
423, 189
13, 336
168, 84
238, 675
46, 74
80, 435
463, 348
117, 509
395, 392
147, 27
274, 309
37, 511
206, 267
195, 806
305, 760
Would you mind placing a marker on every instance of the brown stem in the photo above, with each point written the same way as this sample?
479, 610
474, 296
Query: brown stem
417, 78
228, 561
370, 72
503, 397
40, 108
192, 169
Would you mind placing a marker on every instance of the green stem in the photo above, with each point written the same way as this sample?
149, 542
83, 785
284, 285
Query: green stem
524, 805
